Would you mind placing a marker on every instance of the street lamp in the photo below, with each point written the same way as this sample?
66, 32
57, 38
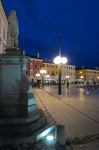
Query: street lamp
60, 60
37, 75
38, 80
50, 137
43, 72
67, 77
47, 76
98, 77
81, 77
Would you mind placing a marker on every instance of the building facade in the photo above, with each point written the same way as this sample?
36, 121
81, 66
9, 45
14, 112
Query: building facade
68, 72
3, 29
34, 67
51, 68
87, 74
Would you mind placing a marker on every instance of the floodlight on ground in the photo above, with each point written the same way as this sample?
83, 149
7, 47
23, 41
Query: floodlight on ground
46, 132
50, 137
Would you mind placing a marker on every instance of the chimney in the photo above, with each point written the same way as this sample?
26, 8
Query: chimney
37, 55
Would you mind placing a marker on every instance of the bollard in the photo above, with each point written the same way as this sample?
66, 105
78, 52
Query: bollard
60, 135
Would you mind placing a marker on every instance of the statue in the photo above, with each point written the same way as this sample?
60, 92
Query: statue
13, 31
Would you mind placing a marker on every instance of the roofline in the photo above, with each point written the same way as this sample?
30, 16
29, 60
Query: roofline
35, 58
87, 69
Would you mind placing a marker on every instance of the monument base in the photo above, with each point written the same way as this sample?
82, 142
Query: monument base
20, 117
12, 51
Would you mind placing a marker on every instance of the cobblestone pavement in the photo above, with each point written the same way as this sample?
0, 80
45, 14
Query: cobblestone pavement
76, 110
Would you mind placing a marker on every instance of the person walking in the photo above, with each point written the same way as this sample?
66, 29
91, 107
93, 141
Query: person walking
68, 85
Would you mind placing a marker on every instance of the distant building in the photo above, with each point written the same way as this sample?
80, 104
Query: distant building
3, 29
68, 72
51, 68
34, 67
87, 74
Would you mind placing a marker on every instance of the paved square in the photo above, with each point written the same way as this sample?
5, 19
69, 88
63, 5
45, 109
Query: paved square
77, 111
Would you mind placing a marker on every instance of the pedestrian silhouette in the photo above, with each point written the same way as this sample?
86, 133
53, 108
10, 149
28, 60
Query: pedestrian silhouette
68, 84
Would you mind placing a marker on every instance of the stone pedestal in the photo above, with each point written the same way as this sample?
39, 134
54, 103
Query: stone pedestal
19, 115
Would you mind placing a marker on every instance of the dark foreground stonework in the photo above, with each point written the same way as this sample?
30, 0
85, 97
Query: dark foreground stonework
20, 119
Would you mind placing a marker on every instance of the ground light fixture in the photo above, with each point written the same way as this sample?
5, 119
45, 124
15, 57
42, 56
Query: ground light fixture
46, 132
54, 135
50, 138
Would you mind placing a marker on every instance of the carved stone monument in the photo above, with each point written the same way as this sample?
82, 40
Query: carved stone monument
20, 118
13, 32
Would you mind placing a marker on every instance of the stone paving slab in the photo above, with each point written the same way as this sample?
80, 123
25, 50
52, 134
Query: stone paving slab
76, 124
89, 146
89, 104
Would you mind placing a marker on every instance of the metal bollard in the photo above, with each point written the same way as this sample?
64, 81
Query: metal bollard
60, 135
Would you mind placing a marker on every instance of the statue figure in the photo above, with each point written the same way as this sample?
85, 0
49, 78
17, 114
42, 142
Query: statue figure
13, 31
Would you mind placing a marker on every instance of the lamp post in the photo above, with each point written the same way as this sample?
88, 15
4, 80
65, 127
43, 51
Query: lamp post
42, 73
60, 60
67, 78
38, 80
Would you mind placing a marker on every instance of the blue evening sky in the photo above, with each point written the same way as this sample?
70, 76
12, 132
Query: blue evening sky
40, 22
